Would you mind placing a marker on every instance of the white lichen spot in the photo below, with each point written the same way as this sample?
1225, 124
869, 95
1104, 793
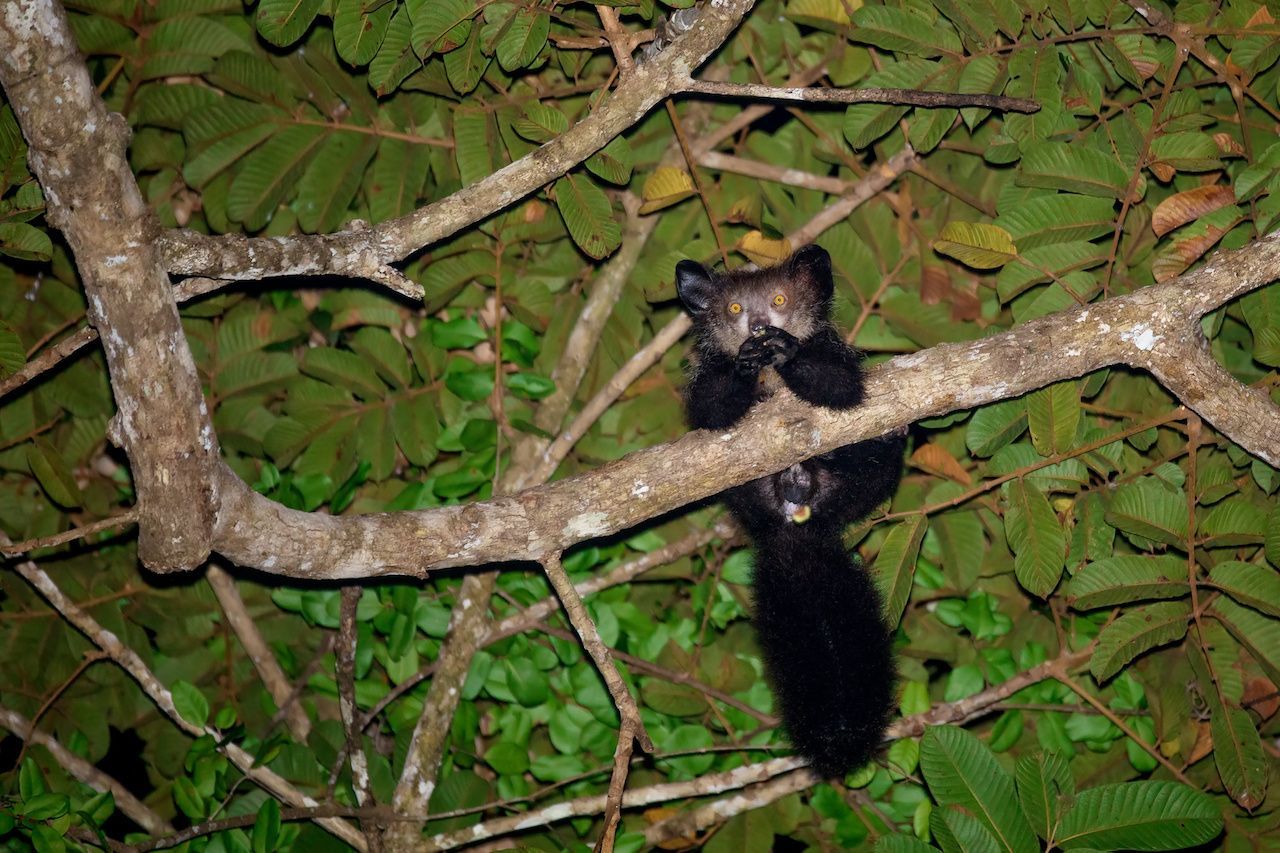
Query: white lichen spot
425, 788
453, 691
727, 436
1105, 328
587, 525
640, 490
1072, 352
269, 562
306, 566
466, 602
1142, 337
911, 360
1082, 316
90, 126
115, 260
57, 99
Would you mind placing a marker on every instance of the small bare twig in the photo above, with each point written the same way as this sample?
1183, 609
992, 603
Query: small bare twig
268, 668
125, 518
871, 95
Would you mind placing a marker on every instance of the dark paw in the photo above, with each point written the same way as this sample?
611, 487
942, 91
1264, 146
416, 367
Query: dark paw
782, 345
753, 356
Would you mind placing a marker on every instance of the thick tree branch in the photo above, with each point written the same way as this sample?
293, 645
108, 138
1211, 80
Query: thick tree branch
1149, 329
77, 151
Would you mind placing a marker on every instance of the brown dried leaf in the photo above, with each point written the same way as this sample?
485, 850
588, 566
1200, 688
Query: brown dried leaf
1188, 206
935, 285
934, 459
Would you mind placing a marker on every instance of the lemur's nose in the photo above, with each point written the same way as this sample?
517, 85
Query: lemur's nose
757, 328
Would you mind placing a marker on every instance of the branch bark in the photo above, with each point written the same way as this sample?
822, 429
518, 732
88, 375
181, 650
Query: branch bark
77, 151
1155, 329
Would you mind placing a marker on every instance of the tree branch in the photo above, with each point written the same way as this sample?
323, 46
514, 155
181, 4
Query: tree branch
268, 668
136, 810
77, 151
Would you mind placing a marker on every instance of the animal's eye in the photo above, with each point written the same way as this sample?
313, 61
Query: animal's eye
735, 308
780, 300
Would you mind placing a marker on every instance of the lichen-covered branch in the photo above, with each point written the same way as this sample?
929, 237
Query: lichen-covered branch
77, 151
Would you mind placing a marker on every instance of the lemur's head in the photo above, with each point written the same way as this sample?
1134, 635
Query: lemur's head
728, 308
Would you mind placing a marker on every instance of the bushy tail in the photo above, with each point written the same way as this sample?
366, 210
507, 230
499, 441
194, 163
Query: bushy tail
826, 648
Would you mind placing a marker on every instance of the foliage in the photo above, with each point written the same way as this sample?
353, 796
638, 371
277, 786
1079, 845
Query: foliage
1082, 512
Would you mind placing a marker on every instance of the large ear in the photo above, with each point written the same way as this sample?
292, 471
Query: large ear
813, 263
696, 285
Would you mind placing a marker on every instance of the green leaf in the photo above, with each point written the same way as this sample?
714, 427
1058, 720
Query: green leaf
865, 123
1139, 816
459, 333
1057, 219
329, 184
252, 371
588, 216
1191, 151
395, 59
541, 122
266, 827
13, 355
526, 35
899, 843
1053, 413
474, 137
387, 356
53, 472
1120, 580
1073, 168
1138, 631
221, 134
1234, 521
527, 683
1038, 542
976, 244
901, 31
959, 832
466, 65
1256, 586
358, 34
896, 565
24, 242
398, 174
271, 172
45, 806
509, 759
1042, 779
1149, 509
962, 771
994, 426
614, 162
1257, 633
190, 703
530, 386
344, 370
1047, 263
282, 22
1238, 753
440, 26
1271, 543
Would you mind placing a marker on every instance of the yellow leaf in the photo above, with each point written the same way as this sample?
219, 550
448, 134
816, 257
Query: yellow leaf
976, 244
829, 15
664, 187
762, 251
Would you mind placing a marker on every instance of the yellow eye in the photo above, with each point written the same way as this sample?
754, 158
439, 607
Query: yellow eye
735, 308
779, 300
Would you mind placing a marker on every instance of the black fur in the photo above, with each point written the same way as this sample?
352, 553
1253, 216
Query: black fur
826, 648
